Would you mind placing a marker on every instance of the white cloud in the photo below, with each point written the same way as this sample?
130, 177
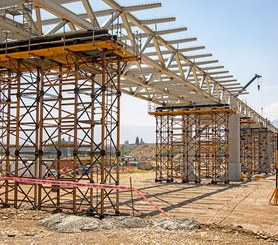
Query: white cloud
271, 112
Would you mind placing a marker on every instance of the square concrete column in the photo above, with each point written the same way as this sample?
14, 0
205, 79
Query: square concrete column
234, 166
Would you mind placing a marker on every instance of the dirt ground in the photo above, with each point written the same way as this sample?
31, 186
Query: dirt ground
237, 213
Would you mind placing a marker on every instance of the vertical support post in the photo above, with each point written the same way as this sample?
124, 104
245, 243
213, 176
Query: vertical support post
18, 95
118, 150
234, 166
36, 203
268, 152
75, 147
40, 90
59, 149
131, 194
8, 139
103, 130
157, 164
225, 148
215, 146
184, 147
169, 146
170, 149
92, 128
196, 146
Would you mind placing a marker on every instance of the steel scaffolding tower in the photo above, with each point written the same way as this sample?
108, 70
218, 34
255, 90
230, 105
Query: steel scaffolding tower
273, 155
258, 146
246, 147
67, 91
192, 144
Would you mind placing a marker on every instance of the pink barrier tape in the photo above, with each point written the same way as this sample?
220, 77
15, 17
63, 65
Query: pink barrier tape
88, 185
151, 203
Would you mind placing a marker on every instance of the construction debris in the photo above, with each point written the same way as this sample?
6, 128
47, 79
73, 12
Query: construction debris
74, 224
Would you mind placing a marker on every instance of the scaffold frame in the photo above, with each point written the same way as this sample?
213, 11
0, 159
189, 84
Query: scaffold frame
48, 96
197, 144
257, 146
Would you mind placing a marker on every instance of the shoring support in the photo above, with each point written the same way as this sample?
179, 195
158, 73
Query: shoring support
258, 146
18, 116
103, 147
75, 128
40, 112
246, 153
164, 148
274, 197
58, 147
61, 119
118, 147
202, 129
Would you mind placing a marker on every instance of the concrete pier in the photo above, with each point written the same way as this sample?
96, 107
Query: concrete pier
234, 148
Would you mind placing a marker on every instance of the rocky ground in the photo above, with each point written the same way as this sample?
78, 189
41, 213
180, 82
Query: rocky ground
238, 213
23, 226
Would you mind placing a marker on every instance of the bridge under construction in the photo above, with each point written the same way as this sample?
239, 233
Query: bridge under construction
62, 74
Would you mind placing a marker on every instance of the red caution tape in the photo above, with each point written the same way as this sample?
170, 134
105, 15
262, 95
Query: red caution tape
79, 184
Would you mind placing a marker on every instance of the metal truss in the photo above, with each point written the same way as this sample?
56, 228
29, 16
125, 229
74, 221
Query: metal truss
60, 120
170, 72
192, 145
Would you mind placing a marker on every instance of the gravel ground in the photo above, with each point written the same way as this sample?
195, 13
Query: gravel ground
38, 227
233, 214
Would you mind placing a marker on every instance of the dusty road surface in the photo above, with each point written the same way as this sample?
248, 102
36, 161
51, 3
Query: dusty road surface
238, 213
244, 204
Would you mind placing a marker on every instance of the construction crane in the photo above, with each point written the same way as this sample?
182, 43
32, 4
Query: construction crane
247, 85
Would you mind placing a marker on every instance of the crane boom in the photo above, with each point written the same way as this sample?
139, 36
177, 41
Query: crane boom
247, 85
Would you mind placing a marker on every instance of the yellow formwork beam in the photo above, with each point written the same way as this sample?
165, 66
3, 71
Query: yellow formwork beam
247, 121
61, 50
194, 111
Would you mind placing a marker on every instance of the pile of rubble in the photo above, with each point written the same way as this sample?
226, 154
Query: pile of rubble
74, 224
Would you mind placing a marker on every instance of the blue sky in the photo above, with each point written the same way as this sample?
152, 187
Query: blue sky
241, 34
